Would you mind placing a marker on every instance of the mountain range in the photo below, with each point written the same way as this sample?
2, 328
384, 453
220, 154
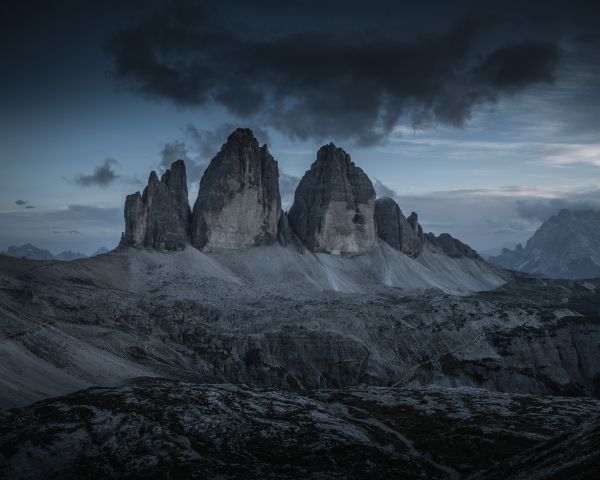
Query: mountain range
567, 245
32, 252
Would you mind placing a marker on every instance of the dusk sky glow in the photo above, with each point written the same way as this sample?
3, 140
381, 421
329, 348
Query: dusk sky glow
481, 116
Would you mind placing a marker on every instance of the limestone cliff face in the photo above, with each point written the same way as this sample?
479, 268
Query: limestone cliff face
393, 227
159, 217
238, 204
334, 205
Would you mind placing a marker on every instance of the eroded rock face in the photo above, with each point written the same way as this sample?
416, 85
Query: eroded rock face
394, 229
238, 203
334, 205
159, 217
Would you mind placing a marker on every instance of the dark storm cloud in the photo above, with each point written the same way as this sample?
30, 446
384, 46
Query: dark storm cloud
103, 175
514, 67
323, 83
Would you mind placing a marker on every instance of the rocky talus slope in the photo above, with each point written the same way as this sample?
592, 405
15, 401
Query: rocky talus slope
274, 317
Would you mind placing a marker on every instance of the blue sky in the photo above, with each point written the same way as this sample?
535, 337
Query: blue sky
489, 180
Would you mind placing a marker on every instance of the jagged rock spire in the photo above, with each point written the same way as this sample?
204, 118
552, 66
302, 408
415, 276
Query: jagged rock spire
159, 217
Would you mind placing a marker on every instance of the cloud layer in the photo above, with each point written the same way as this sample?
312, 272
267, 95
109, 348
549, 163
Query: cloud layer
318, 83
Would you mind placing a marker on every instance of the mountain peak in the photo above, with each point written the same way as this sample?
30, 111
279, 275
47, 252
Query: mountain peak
334, 205
242, 136
238, 202
567, 245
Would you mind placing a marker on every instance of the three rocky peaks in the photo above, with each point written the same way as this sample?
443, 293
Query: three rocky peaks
239, 206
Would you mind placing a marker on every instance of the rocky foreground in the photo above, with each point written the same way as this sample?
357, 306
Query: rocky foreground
161, 429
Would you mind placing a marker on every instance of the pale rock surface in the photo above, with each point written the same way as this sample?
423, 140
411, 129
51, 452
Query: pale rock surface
238, 204
333, 210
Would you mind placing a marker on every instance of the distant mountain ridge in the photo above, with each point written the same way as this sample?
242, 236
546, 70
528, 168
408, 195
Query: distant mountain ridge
567, 245
35, 253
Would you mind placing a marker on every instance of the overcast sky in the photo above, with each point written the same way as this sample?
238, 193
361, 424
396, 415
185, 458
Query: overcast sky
481, 116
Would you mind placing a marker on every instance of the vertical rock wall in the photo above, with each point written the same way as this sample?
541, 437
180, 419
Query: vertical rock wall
334, 205
238, 204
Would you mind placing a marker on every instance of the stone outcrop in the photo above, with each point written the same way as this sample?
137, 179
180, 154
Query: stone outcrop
238, 203
394, 229
159, 217
333, 209
449, 245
